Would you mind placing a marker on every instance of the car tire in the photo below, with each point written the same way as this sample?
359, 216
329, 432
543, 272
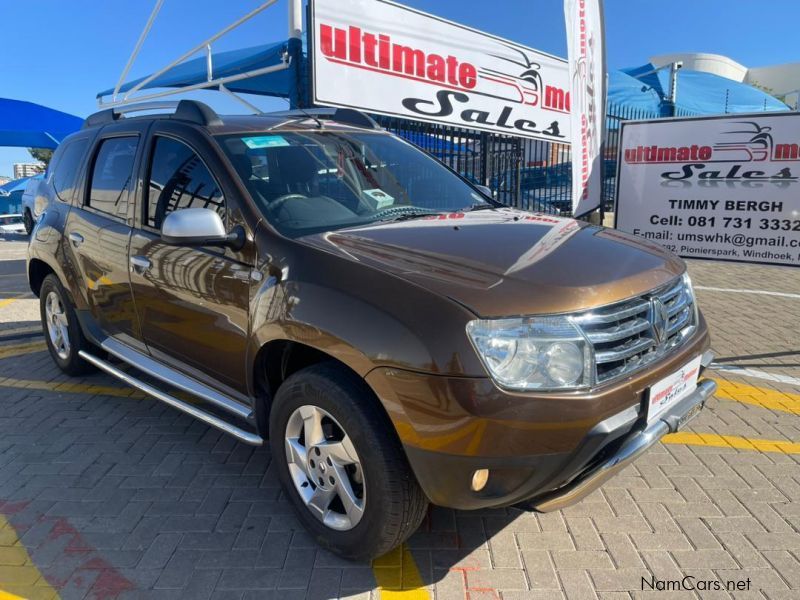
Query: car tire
27, 220
379, 481
62, 332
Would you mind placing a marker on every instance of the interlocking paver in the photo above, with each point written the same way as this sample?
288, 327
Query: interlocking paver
117, 495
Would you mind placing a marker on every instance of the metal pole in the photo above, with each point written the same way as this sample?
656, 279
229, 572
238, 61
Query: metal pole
673, 85
296, 19
202, 85
484, 158
297, 97
199, 47
137, 48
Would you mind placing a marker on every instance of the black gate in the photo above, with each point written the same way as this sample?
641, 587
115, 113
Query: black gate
528, 174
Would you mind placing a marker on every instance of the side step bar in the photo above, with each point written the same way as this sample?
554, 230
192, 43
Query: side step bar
174, 378
214, 421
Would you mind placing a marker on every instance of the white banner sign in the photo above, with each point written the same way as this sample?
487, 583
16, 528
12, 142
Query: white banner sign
385, 58
720, 187
587, 72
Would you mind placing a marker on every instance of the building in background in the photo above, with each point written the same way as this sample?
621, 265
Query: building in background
4, 179
27, 169
780, 81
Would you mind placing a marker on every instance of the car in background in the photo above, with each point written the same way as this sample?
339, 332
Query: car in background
30, 214
11, 224
542, 189
549, 189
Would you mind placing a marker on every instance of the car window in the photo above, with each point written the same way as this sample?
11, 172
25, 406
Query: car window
179, 179
111, 176
66, 170
314, 181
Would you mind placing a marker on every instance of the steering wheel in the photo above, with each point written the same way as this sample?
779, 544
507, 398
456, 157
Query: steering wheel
279, 201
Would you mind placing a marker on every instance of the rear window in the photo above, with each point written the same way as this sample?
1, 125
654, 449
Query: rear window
111, 176
67, 167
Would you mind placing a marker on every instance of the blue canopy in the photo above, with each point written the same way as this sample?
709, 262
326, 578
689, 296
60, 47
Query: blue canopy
699, 93
632, 94
34, 126
232, 62
15, 186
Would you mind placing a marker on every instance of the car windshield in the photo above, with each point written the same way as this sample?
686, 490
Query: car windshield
315, 181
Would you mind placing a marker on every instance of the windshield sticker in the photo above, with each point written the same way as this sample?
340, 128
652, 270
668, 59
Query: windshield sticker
264, 141
382, 198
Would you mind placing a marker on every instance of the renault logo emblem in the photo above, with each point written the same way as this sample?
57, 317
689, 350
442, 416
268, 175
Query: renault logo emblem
660, 320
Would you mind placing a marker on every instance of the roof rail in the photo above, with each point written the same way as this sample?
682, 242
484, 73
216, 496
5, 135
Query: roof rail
345, 116
185, 110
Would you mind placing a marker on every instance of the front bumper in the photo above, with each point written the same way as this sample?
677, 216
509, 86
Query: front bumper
544, 451
635, 445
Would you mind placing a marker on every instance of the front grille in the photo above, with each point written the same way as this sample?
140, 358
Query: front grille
631, 334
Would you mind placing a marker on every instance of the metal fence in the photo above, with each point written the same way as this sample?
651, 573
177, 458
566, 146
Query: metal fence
528, 174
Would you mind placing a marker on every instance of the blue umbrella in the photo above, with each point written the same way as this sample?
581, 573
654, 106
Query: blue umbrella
34, 126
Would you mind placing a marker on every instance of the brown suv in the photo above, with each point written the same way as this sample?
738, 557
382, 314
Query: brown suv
396, 335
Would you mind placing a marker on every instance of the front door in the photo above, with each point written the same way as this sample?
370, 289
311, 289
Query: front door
192, 301
97, 234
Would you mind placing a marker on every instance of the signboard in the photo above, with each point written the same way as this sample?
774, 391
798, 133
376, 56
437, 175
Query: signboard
382, 57
587, 72
718, 187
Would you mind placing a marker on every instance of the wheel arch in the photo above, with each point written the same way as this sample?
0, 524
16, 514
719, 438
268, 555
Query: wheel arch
37, 271
278, 359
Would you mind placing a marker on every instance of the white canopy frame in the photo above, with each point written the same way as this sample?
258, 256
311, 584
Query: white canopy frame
134, 95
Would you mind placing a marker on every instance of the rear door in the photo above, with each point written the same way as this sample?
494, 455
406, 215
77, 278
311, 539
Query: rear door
97, 232
193, 302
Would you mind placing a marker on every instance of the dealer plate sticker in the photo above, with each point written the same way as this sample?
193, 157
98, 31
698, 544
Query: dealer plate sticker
672, 389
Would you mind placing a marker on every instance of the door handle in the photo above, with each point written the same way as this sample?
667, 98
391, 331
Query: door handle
140, 264
75, 238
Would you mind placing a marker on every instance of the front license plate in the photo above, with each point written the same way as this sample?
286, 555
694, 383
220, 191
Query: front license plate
672, 389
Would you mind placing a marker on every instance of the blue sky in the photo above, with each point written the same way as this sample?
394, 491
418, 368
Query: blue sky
61, 52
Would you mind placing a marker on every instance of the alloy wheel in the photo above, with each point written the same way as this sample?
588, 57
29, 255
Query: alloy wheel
57, 326
325, 468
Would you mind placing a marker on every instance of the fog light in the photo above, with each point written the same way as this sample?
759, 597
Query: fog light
479, 479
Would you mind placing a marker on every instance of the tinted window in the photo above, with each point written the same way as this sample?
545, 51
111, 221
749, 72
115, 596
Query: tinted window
67, 167
111, 176
179, 179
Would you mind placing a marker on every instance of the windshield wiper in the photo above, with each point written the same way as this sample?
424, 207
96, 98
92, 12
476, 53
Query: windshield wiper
480, 206
408, 216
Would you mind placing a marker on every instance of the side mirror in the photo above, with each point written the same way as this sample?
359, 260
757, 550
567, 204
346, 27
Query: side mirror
199, 227
485, 191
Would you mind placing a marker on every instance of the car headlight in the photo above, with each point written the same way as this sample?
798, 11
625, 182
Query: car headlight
533, 353
687, 282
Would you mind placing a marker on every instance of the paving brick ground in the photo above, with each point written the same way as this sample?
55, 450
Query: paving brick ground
104, 493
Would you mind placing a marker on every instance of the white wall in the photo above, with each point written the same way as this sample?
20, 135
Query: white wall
782, 79
706, 63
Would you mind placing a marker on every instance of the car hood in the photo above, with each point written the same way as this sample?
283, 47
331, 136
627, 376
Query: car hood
506, 262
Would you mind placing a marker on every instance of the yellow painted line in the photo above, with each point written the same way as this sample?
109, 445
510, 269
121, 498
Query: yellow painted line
758, 396
14, 331
85, 388
19, 577
6, 302
20, 349
398, 577
731, 441
72, 388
